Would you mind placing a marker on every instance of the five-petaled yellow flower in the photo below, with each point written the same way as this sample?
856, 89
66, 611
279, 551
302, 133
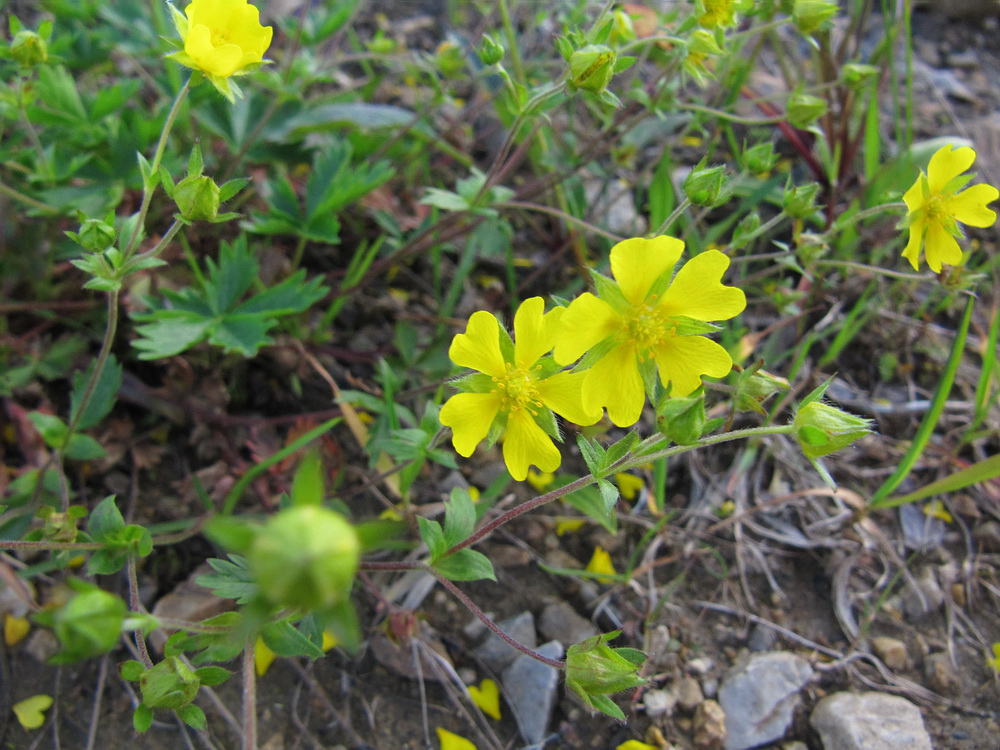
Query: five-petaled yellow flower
518, 389
649, 317
936, 206
222, 38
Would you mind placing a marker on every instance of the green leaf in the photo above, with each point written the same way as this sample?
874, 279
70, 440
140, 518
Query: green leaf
212, 676
285, 640
52, 429
101, 400
433, 536
459, 517
131, 670
142, 719
106, 520
981, 471
104, 562
83, 448
307, 486
232, 579
192, 716
465, 565
590, 501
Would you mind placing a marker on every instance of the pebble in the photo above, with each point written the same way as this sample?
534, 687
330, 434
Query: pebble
759, 697
710, 726
659, 702
922, 595
891, 651
41, 645
659, 645
560, 622
496, 653
689, 695
530, 689
941, 673
987, 536
700, 666
869, 721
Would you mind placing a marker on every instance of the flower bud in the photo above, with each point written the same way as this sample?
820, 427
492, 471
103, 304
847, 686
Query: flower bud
197, 198
88, 625
822, 429
594, 670
306, 557
682, 419
804, 109
490, 51
754, 387
28, 48
622, 29
705, 186
592, 67
858, 75
812, 15
799, 202
169, 684
760, 158
95, 235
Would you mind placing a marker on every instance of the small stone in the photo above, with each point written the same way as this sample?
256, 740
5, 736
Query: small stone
660, 645
560, 622
530, 688
759, 697
891, 651
689, 695
987, 536
709, 726
659, 702
941, 673
496, 653
700, 666
966, 506
796, 745
922, 595
41, 645
869, 721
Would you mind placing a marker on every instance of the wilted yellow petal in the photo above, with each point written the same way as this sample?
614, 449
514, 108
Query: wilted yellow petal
936, 509
30, 712
450, 741
569, 525
263, 657
14, 629
487, 697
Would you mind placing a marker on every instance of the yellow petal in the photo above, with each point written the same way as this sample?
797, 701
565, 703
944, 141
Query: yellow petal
526, 443
569, 525
221, 61
636, 745
941, 247
450, 741
969, 206
14, 629
563, 393
697, 290
30, 712
534, 331
615, 382
946, 165
914, 197
682, 360
936, 509
469, 415
329, 641
916, 241
629, 484
479, 347
638, 262
263, 657
487, 697
540, 480
586, 322
600, 562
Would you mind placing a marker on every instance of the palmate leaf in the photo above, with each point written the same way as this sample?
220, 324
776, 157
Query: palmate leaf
214, 312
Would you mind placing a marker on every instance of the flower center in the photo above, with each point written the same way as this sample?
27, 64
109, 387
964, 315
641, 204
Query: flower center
647, 326
219, 37
518, 390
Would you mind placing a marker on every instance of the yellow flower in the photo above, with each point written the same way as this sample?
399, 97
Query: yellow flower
518, 389
936, 509
936, 206
648, 317
717, 13
600, 563
14, 629
222, 38
452, 741
629, 484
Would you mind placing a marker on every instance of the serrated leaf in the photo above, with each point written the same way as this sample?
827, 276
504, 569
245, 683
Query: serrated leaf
593, 454
285, 640
620, 449
465, 565
142, 719
459, 517
609, 494
232, 579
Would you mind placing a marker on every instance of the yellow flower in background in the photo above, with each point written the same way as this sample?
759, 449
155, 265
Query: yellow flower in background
517, 390
30, 712
935, 208
636, 745
452, 741
649, 317
222, 38
14, 629
487, 697
717, 13
600, 562
994, 663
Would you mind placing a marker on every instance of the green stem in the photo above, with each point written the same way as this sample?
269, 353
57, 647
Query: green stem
674, 215
147, 190
845, 221
872, 269
568, 218
102, 359
767, 226
27, 200
512, 41
48, 546
722, 115
250, 695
